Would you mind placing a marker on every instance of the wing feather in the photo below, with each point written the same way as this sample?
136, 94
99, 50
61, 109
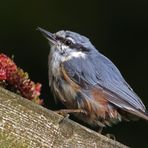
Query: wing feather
99, 71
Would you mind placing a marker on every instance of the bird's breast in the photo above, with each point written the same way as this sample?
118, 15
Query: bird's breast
64, 92
60, 83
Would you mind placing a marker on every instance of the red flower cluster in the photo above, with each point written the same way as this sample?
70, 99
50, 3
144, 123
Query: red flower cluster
7, 66
18, 79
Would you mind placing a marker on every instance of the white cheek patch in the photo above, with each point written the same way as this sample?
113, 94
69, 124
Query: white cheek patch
78, 54
63, 47
68, 55
74, 54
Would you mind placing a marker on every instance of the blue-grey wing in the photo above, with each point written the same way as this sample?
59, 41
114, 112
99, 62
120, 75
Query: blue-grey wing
99, 71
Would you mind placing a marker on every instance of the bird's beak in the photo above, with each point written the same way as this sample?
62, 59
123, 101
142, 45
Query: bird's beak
48, 35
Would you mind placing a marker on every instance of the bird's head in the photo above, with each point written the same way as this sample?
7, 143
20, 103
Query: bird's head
68, 44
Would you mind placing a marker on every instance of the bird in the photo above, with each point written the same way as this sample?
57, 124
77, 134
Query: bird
87, 83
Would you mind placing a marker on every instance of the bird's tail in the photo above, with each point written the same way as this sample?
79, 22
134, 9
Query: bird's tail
143, 115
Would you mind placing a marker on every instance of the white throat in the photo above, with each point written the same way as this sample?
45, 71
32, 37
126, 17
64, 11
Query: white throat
55, 59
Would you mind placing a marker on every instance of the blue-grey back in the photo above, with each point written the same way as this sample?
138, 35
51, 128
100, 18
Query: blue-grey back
97, 70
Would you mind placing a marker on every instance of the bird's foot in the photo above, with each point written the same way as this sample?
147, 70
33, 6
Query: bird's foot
111, 136
100, 130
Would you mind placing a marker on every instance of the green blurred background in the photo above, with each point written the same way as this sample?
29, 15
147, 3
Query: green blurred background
119, 29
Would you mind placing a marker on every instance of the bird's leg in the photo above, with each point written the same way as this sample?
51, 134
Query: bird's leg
100, 129
65, 112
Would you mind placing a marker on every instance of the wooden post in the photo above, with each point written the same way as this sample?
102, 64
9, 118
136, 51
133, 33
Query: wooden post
25, 124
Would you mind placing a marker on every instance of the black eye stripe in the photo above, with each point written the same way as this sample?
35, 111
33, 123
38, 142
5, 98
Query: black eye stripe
60, 38
65, 41
68, 42
71, 44
79, 47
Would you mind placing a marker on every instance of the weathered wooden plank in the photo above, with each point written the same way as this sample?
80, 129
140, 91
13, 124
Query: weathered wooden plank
25, 124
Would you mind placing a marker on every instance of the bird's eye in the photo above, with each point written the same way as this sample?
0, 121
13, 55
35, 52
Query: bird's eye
68, 42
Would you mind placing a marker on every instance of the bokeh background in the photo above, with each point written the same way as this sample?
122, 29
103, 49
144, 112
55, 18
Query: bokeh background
119, 29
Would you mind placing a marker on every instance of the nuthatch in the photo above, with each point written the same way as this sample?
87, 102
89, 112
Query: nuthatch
88, 83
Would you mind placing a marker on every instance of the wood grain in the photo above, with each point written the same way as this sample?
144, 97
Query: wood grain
24, 124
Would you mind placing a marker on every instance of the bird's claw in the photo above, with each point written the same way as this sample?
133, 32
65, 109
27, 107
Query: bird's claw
111, 136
